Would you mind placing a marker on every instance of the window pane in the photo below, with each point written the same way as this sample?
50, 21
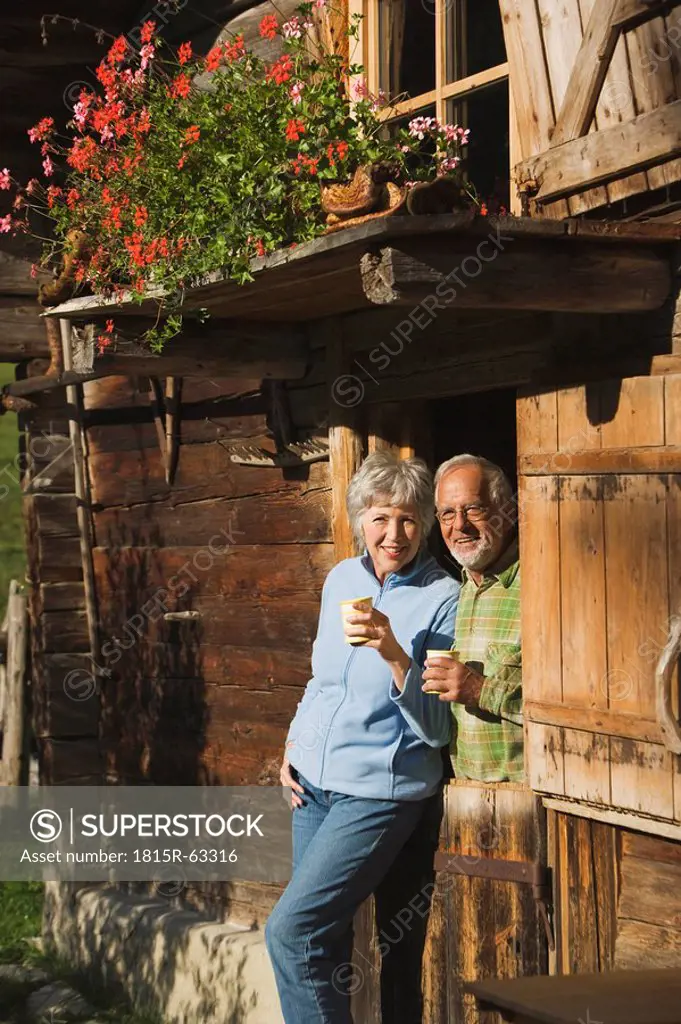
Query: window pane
486, 158
475, 37
406, 47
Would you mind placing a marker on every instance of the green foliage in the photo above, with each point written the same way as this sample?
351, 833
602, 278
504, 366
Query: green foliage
168, 182
20, 918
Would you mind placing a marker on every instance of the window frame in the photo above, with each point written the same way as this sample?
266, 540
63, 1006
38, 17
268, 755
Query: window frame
444, 92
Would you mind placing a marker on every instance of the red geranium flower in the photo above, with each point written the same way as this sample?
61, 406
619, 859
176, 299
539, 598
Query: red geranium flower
184, 54
294, 129
269, 27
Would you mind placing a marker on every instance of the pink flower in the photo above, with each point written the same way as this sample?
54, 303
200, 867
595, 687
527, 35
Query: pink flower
48, 167
360, 90
147, 54
296, 92
292, 29
450, 163
419, 127
5, 224
319, 4
34, 270
5, 182
32, 186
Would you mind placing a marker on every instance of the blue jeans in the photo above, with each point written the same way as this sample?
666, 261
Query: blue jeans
343, 847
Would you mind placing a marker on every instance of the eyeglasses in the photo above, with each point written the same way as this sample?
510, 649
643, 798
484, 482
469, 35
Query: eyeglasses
471, 513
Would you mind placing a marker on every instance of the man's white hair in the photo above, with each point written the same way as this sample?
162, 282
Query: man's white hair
500, 489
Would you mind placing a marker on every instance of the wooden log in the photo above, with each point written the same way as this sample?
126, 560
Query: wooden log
288, 518
13, 768
65, 631
58, 597
15, 278
643, 945
237, 570
240, 350
71, 762
223, 664
573, 280
642, 142
22, 332
205, 472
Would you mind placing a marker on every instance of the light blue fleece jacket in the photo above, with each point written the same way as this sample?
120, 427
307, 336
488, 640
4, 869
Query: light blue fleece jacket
354, 732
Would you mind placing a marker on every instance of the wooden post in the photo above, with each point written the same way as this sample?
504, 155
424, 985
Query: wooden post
346, 446
82, 486
14, 719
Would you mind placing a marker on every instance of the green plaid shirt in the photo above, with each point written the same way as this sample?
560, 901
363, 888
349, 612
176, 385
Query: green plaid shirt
488, 740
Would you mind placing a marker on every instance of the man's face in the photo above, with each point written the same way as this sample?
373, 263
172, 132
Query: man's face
471, 539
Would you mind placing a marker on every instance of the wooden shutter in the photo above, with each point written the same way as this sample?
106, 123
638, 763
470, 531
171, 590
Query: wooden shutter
596, 87
600, 522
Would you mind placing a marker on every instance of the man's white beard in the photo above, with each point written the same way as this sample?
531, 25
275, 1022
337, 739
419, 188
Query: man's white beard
476, 558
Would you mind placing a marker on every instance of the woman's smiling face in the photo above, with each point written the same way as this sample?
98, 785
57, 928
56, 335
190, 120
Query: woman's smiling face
392, 534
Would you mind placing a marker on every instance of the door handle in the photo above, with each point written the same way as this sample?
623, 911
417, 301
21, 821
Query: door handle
664, 674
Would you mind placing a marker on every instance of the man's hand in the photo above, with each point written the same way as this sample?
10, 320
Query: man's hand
453, 680
287, 780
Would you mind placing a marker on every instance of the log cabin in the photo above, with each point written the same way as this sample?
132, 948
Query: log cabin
558, 357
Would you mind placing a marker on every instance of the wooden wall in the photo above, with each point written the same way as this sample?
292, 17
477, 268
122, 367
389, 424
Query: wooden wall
204, 700
618, 897
64, 692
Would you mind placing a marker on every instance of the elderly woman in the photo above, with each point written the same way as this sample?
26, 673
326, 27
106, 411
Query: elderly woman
363, 751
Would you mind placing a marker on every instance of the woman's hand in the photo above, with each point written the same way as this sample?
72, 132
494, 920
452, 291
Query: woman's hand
287, 780
375, 627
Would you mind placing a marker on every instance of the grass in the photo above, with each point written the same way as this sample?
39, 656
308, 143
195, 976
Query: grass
12, 550
20, 919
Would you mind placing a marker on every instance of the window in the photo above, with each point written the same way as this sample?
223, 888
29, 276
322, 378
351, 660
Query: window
447, 56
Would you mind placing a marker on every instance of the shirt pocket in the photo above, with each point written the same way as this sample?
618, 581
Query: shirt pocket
503, 655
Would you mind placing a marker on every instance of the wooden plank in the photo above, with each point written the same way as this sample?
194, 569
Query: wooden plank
65, 631
641, 777
587, 766
539, 545
22, 333
598, 720
528, 74
56, 515
672, 410
627, 996
650, 892
278, 624
228, 570
646, 945
605, 855
628, 461
642, 142
648, 848
630, 12
537, 422
14, 718
578, 877
588, 74
544, 757
577, 430
653, 89
71, 761
612, 816
290, 517
60, 714
582, 588
204, 472
634, 506
266, 668
61, 596
632, 412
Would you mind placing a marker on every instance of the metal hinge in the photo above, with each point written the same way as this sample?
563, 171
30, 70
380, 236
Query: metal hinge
539, 876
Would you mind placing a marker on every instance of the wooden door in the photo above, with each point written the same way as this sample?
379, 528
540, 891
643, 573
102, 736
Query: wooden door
600, 535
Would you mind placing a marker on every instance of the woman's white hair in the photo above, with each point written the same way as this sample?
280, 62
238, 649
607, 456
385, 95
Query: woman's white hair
500, 489
385, 478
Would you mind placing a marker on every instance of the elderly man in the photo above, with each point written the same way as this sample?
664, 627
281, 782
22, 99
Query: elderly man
477, 514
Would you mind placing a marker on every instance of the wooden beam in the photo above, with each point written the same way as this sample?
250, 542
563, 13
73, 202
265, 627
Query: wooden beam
633, 12
579, 279
599, 461
600, 157
248, 350
588, 74
22, 333
345, 439
15, 276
